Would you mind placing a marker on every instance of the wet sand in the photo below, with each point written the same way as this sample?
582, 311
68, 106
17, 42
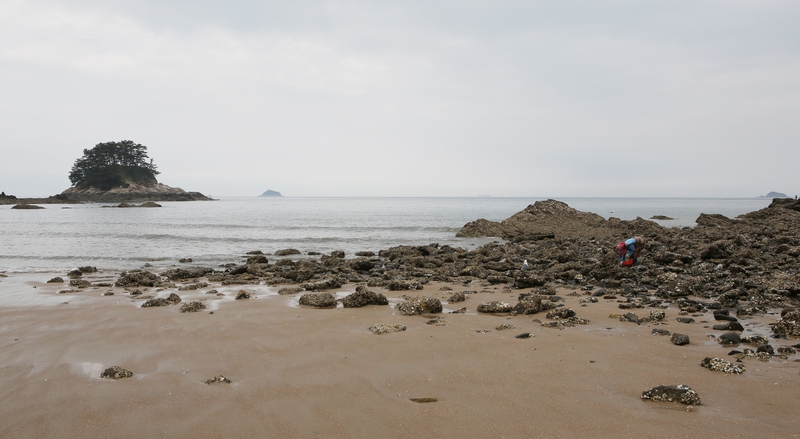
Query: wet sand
304, 372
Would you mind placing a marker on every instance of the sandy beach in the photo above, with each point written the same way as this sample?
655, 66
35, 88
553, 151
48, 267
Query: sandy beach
298, 371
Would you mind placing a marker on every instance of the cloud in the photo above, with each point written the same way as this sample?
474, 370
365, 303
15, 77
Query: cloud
615, 98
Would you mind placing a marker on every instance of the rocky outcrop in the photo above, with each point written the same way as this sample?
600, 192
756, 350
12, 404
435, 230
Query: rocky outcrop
27, 206
271, 193
554, 219
132, 192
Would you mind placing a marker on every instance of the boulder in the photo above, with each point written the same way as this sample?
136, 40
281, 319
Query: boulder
194, 306
419, 305
457, 297
495, 307
287, 252
681, 394
679, 339
729, 326
138, 279
318, 300
363, 297
324, 284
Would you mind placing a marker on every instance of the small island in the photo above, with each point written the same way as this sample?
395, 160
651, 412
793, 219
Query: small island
271, 193
120, 171
774, 195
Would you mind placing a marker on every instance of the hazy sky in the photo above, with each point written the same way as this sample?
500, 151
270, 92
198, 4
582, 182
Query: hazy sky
409, 98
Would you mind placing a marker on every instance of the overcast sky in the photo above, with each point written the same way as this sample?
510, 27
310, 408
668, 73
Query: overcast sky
409, 98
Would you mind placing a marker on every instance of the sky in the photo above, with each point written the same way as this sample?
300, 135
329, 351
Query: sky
408, 98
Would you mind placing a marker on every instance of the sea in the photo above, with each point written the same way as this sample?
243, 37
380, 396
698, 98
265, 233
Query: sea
60, 238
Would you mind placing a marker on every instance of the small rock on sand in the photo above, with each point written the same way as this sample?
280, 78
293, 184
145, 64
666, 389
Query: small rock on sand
194, 306
383, 328
218, 379
116, 372
680, 393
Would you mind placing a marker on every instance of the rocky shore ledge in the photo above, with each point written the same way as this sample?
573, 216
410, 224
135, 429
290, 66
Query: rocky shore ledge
744, 265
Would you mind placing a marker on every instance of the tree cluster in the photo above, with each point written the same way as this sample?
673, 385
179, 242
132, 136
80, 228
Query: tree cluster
109, 164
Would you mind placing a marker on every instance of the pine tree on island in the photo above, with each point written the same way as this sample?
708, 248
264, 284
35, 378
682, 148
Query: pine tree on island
114, 164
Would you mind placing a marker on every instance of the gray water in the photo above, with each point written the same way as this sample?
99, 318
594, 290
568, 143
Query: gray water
62, 237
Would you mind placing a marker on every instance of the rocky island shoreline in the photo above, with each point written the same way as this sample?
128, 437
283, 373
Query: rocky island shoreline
702, 333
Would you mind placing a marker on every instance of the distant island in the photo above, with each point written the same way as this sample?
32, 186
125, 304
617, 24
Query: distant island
271, 193
774, 195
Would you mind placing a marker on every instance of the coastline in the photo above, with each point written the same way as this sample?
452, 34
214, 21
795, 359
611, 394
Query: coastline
303, 372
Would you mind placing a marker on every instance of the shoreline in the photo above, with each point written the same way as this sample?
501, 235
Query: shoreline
303, 372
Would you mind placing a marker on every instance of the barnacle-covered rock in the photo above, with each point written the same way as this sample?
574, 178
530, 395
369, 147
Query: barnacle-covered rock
532, 305
318, 300
457, 297
158, 301
754, 339
494, 307
505, 326
194, 306
218, 379
561, 313
384, 328
419, 305
242, 294
571, 321
789, 324
403, 285
681, 393
325, 284
116, 372
80, 283
56, 279
721, 365
286, 291
363, 297
138, 279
